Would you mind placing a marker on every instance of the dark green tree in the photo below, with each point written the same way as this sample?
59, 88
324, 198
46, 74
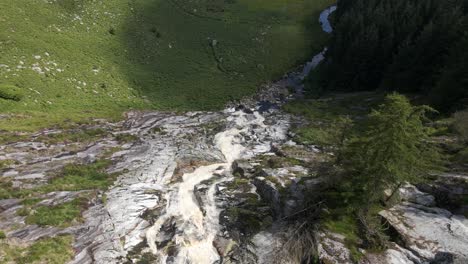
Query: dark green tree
395, 148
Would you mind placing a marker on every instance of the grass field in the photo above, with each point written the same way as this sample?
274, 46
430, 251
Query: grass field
73, 60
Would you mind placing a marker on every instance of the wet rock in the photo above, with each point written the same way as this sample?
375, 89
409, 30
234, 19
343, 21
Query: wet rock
189, 164
269, 193
223, 246
167, 232
243, 168
200, 192
244, 109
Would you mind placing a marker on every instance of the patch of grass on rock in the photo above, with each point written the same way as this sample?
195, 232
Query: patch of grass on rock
56, 250
61, 215
75, 177
9, 192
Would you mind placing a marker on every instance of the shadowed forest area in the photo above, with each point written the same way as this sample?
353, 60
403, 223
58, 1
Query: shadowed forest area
409, 46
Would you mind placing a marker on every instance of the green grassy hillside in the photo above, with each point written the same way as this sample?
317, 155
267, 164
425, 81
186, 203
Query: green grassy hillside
72, 60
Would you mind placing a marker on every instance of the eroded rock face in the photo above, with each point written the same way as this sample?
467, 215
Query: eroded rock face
431, 233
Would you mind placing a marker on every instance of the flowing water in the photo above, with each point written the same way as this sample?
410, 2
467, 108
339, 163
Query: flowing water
153, 208
196, 229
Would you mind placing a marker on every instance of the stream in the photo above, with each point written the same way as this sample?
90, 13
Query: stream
246, 134
224, 187
167, 204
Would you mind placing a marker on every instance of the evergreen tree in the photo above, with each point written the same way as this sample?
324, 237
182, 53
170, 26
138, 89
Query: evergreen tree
395, 148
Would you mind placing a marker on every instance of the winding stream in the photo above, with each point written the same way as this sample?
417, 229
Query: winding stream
166, 204
196, 231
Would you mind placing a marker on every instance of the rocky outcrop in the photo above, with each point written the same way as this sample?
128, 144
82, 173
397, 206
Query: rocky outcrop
431, 233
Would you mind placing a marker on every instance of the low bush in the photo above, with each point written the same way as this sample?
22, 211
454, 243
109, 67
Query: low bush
10, 92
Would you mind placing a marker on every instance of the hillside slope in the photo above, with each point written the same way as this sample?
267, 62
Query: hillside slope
72, 60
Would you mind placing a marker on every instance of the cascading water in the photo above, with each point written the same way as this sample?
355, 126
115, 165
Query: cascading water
185, 231
196, 231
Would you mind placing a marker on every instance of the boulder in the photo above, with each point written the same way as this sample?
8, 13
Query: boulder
242, 167
429, 231
332, 249
269, 193
223, 246
411, 194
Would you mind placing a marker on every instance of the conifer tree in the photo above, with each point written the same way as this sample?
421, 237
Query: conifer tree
395, 148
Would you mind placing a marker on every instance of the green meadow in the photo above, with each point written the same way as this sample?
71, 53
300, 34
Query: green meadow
71, 61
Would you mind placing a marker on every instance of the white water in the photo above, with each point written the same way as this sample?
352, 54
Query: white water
195, 231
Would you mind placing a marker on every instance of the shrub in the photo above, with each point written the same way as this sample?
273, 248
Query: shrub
2, 235
10, 92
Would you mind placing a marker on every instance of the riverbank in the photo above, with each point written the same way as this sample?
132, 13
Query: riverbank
157, 160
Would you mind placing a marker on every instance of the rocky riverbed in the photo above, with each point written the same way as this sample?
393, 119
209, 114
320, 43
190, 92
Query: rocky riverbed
206, 187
